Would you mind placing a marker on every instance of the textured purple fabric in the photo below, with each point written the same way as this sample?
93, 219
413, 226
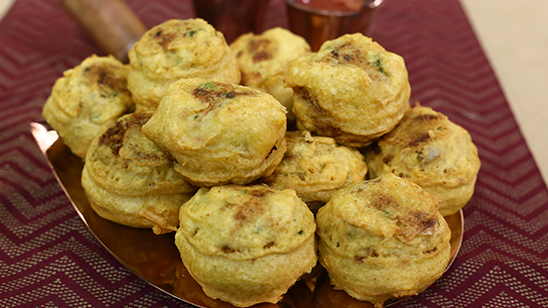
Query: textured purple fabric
48, 257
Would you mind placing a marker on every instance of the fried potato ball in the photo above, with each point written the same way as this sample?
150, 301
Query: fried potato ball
178, 49
352, 90
86, 100
433, 152
128, 180
262, 58
218, 133
246, 244
383, 238
316, 167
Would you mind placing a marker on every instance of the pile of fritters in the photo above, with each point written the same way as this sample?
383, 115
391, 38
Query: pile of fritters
192, 136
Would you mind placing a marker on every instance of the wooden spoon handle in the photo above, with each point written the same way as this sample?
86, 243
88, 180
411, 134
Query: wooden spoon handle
111, 23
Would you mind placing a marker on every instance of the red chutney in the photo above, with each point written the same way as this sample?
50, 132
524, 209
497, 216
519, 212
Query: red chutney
333, 5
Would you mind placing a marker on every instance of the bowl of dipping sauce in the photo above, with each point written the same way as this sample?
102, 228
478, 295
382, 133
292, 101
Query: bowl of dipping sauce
321, 20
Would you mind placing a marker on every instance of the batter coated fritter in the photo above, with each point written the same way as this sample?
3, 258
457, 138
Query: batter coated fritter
86, 100
433, 152
218, 133
178, 49
316, 167
128, 180
262, 59
383, 238
246, 244
352, 90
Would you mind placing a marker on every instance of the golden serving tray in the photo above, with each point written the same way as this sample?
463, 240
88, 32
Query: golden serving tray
156, 259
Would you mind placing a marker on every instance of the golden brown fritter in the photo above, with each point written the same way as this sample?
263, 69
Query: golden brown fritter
128, 180
86, 100
316, 167
218, 133
433, 152
382, 239
246, 244
262, 58
178, 49
352, 90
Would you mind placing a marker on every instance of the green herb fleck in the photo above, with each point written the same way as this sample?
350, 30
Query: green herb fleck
378, 63
95, 116
209, 86
191, 33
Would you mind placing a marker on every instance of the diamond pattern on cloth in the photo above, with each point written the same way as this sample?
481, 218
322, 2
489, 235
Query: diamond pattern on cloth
48, 258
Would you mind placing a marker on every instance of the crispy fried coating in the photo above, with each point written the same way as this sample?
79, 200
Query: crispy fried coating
178, 49
352, 90
86, 100
246, 244
262, 58
382, 239
218, 133
433, 152
128, 180
316, 167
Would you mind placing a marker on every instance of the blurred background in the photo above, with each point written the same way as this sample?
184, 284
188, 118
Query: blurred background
514, 36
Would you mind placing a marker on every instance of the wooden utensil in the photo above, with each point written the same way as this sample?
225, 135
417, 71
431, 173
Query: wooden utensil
111, 23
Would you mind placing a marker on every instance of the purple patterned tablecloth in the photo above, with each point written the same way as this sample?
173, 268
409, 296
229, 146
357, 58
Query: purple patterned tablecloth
48, 258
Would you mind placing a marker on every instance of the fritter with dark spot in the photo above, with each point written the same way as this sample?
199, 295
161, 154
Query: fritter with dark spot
352, 90
178, 49
218, 133
431, 151
383, 239
128, 180
246, 244
86, 100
